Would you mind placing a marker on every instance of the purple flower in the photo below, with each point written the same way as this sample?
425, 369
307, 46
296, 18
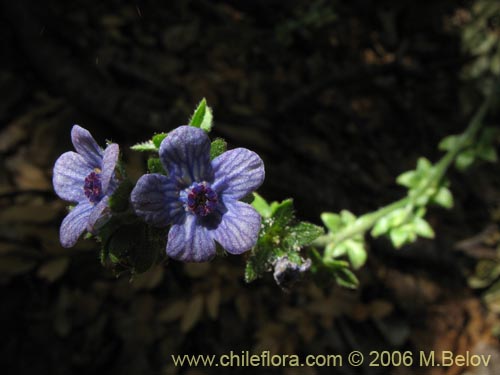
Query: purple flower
87, 178
200, 197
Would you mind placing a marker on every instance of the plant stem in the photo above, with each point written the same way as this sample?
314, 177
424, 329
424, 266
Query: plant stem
367, 221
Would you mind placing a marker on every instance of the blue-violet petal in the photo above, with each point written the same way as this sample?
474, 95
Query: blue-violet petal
185, 154
239, 228
190, 242
155, 199
74, 224
69, 175
86, 146
109, 161
238, 172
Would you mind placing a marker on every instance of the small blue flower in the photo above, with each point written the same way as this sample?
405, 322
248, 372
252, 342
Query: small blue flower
87, 178
201, 197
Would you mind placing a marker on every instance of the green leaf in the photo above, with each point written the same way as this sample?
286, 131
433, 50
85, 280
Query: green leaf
448, 143
347, 217
423, 165
399, 236
334, 250
488, 153
422, 228
381, 227
443, 198
158, 138
398, 217
217, 147
132, 245
261, 206
332, 221
465, 159
155, 166
282, 213
147, 146
304, 233
409, 179
119, 201
346, 278
280, 235
202, 117
356, 253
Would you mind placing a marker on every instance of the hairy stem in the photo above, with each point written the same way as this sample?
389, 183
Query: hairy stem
367, 221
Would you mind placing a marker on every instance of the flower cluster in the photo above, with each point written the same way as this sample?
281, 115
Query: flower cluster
86, 177
200, 198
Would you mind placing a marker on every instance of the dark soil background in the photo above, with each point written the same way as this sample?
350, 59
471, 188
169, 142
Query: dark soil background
338, 98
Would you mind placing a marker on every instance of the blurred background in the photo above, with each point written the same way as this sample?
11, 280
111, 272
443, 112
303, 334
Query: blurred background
337, 97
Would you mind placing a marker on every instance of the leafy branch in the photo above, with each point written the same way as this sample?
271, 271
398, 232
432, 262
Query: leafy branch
403, 221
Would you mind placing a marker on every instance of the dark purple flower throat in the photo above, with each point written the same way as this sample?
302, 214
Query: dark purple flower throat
201, 199
92, 186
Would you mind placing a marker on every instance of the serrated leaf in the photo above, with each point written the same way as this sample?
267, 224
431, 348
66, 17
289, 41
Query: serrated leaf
356, 253
218, 147
304, 233
147, 146
332, 221
202, 117
158, 139
443, 198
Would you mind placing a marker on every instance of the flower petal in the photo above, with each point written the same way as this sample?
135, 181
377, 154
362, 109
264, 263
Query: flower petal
190, 242
108, 165
69, 175
74, 224
185, 153
86, 146
155, 199
97, 213
238, 172
239, 228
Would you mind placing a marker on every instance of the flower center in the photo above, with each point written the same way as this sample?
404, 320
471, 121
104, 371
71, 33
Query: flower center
200, 199
92, 186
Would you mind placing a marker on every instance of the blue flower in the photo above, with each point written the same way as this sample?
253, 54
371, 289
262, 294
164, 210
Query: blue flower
201, 197
87, 178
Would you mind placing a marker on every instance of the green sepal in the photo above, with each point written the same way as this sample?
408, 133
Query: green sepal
119, 200
261, 206
155, 166
158, 139
217, 147
147, 146
202, 117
